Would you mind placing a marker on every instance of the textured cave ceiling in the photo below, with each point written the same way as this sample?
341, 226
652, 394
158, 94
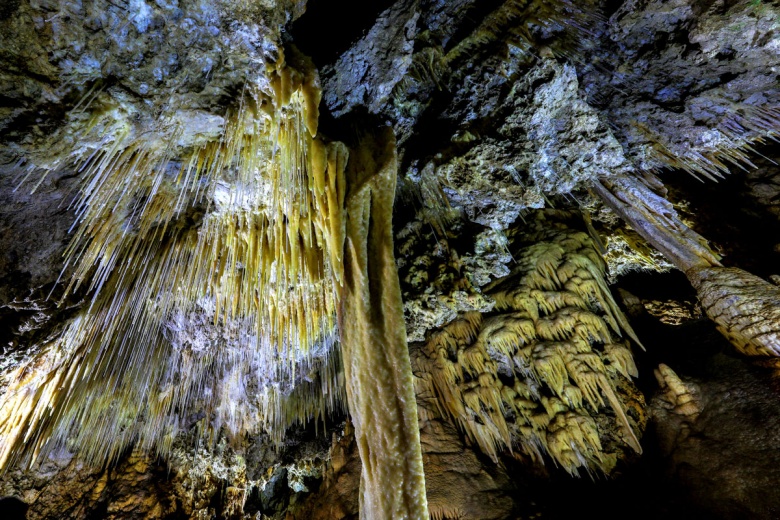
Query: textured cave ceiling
448, 259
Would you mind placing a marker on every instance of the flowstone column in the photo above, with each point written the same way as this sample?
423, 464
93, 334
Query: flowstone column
380, 388
745, 308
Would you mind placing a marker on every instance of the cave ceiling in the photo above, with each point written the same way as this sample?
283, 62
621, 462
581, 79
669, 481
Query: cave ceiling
394, 259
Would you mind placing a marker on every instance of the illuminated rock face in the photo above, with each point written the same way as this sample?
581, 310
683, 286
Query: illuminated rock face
207, 272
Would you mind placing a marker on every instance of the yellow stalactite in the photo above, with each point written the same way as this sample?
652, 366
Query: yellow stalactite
380, 387
243, 243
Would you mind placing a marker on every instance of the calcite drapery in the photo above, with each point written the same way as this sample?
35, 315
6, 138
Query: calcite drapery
534, 375
378, 374
213, 284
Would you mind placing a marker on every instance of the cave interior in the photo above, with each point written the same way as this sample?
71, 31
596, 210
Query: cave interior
403, 259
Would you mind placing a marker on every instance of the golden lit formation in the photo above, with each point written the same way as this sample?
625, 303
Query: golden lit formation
535, 376
213, 287
377, 371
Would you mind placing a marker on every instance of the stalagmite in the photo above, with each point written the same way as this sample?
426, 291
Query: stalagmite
677, 396
743, 306
378, 373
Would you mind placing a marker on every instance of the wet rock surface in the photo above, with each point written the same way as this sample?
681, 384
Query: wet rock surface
62, 488
720, 457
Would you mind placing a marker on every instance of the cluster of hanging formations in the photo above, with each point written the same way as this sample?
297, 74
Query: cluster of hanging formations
742, 127
536, 374
206, 283
511, 23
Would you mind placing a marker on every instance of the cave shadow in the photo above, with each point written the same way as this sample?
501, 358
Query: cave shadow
13, 508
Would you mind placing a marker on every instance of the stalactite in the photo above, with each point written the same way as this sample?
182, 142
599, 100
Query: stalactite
533, 376
514, 21
213, 289
213, 294
654, 218
743, 306
742, 127
377, 370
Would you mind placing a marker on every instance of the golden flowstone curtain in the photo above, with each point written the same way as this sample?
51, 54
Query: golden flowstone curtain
546, 373
380, 388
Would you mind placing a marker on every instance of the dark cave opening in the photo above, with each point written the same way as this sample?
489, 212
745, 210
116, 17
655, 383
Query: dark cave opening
325, 31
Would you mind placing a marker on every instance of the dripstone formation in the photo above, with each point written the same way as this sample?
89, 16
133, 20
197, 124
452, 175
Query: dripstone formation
407, 259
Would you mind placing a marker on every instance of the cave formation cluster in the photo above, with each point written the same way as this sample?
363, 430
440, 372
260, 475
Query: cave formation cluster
448, 260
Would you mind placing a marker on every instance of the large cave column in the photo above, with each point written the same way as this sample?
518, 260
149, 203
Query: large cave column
380, 389
745, 308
